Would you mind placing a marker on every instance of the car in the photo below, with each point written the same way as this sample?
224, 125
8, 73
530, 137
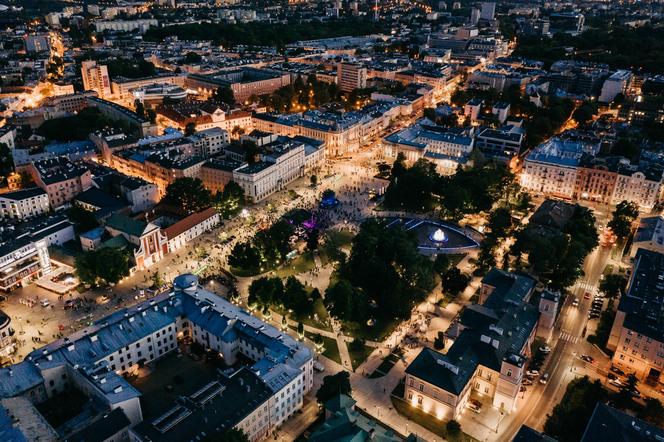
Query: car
527, 381
545, 349
586, 295
45, 302
319, 367
588, 358
592, 315
544, 379
474, 405
575, 302
617, 371
635, 393
532, 373
615, 382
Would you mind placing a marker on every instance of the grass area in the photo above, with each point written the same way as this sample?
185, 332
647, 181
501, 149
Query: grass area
317, 317
378, 332
428, 421
358, 354
300, 264
385, 366
330, 347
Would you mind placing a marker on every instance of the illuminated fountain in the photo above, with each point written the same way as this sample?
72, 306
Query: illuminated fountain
438, 236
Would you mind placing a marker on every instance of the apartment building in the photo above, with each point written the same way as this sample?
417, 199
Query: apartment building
210, 142
218, 172
205, 115
61, 179
22, 204
487, 358
637, 334
96, 78
351, 76
256, 398
649, 235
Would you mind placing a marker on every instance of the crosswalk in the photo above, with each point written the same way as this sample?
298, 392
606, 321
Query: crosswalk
587, 287
565, 336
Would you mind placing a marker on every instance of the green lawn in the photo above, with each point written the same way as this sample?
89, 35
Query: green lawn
428, 421
330, 347
300, 264
320, 321
359, 355
378, 332
385, 366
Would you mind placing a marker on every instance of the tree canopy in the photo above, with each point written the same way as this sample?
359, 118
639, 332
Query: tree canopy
229, 201
624, 215
334, 385
188, 194
103, 265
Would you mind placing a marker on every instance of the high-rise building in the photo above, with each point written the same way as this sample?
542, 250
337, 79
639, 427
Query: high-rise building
351, 76
95, 78
474, 16
488, 11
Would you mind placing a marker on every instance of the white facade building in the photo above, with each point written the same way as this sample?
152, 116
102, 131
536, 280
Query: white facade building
22, 204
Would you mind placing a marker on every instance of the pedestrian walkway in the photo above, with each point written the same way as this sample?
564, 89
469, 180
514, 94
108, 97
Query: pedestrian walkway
565, 336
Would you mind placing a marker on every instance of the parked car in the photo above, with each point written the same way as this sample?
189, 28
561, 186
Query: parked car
575, 302
474, 405
592, 315
544, 378
545, 349
586, 295
45, 302
532, 373
318, 366
588, 358
615, 382
527, 381
617, 371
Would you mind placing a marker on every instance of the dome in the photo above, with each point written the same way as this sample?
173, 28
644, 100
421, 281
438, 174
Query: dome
186, 282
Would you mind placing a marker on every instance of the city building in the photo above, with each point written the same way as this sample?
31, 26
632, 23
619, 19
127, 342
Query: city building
7, 342
22, 204
473, 108
218, 172
501, 144
488, 10
649, 235
205, 115
637, 334
156, 93
351, 76
445, 147
617, 83
148, 242
96, 78
61, 179
492, 342
117, 112
210, 142
184, 231
341, 132
244, 82
281, 161
24, 254
275, 372
140, 25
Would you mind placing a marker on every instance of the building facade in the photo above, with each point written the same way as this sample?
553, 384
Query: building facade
22, 204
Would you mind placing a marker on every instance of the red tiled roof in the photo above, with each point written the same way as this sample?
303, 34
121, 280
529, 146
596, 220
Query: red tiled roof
187, 223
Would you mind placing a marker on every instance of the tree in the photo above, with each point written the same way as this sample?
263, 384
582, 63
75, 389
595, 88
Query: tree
653, 412
500, 222
229, 201
453, 428
441, 264
244, 256
454, 282
265, 292
342, 300
313, 239
313, 179
139, 108
439, 341
624, 215
192, 58
157, 280
613, 285
224, 94
6, 160
188, 194
585, 112
190, 129
295, 296
104, 265
333, 386
300, 329
570, 416
84, 220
